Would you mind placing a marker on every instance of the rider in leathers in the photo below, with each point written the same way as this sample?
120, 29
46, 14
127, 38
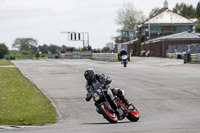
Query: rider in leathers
95, 81
122, 52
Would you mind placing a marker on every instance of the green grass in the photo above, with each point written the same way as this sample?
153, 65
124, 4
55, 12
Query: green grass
21, 103
17, 54
5, 63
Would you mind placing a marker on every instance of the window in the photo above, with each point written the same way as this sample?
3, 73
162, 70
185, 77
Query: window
182, 28
125, 34
155, 29
163, 30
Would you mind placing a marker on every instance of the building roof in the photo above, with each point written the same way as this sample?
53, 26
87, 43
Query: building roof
179, 36
195, 20
129, 42
168, 17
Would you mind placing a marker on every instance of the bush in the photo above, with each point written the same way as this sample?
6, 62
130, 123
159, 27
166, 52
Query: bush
43, 55
3, 50
37, 55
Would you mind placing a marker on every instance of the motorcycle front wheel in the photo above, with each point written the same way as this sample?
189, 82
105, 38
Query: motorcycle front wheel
133, 115
124, 64
109, 116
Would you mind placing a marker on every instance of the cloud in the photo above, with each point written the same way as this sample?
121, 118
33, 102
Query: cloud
45, 19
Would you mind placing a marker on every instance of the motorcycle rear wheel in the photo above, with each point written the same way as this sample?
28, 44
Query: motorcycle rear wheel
109, 116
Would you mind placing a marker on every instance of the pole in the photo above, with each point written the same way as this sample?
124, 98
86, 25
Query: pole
149, 32
83, 40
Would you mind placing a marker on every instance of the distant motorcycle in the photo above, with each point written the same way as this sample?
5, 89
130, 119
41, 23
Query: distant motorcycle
124, 60
103, 107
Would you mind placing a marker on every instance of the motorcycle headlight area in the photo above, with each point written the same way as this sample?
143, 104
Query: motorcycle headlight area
96, 97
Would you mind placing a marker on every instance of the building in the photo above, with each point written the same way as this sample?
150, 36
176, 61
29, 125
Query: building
165, 33
178, 44
166, 23
168, 32
125, 41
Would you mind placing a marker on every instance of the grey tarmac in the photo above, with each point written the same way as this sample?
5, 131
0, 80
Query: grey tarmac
165, 91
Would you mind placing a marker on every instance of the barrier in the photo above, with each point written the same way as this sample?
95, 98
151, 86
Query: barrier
171, 55
86, 55
113, 57
77, 55
195, 58
192, 58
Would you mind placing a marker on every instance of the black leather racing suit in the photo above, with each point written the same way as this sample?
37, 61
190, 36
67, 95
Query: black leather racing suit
98, 81
123, 52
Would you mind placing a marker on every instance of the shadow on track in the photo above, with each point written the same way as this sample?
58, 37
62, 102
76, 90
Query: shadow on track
105, 123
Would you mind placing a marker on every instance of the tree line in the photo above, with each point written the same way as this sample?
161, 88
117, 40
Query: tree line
29, 47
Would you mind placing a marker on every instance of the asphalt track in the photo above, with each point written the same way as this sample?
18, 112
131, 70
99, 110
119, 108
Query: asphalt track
165, 91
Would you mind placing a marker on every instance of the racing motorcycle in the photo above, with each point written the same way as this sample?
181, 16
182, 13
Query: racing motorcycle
103, 107
124, 60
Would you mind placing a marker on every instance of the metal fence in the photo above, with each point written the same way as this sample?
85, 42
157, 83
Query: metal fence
184, 48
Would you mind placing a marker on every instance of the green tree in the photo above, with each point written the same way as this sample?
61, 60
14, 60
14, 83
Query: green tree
96, 50
198, 10
3, 50
24, 43
184, 10
155, 11
44, 49
33, 49
198, 27
128, 17
105, 50
54, 49
178, 8
63, 49
138, 44
37, 55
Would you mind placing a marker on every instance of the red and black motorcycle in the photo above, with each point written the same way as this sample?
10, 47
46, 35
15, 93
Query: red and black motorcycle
103, 107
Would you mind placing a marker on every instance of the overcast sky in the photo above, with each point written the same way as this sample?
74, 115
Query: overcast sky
43, 20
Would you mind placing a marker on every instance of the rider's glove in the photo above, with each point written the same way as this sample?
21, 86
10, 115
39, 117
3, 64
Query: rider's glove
88, 97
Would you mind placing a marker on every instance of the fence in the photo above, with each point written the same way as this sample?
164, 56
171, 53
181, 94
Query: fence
113, 57
192, 58
77, 55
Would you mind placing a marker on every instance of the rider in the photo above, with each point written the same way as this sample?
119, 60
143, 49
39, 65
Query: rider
122, 52
95, 81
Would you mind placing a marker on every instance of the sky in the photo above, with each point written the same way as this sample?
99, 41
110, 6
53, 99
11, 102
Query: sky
44, 20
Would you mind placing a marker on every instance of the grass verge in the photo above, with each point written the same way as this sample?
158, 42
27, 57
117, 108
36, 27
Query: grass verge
21, 103
5, 63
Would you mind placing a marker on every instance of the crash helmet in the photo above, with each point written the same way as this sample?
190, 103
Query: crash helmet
89, 74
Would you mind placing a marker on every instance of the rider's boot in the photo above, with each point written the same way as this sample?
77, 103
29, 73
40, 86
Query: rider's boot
124, 100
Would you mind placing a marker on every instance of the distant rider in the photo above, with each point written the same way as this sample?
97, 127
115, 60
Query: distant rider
96, 81
122, 52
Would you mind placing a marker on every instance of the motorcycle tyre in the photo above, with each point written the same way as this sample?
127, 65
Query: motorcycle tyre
106, 114
132, 117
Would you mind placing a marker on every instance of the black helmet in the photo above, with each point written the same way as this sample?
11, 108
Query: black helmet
89, 74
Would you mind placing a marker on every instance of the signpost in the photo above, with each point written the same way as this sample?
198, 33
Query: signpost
78, 36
